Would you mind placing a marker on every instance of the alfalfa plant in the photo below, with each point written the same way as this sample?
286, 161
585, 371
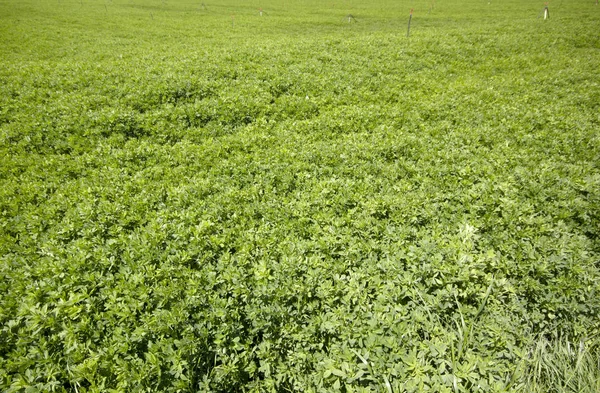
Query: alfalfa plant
464, 334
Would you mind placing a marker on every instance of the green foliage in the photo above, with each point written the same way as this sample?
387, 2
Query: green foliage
296, 203
563, 366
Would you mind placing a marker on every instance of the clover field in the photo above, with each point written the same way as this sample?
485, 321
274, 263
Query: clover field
198, 198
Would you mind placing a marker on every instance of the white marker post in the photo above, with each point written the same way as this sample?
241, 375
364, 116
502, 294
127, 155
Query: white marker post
546, 12
350, 18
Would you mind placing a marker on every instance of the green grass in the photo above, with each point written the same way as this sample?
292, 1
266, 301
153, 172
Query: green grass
563, 366
198, 198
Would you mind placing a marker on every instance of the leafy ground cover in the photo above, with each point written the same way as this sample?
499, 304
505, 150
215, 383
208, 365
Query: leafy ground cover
199, 198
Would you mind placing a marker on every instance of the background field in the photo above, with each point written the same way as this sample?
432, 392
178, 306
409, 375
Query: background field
197, 198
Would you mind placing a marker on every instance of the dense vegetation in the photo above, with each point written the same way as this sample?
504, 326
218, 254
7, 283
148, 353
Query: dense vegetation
195, 197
